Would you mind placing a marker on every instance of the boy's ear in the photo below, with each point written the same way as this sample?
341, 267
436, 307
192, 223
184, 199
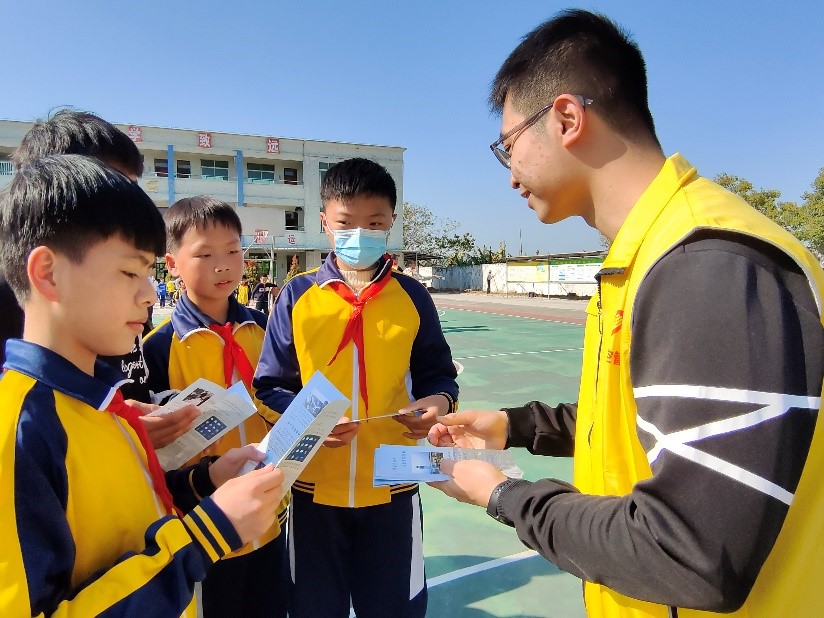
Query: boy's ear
40, 268
171, 265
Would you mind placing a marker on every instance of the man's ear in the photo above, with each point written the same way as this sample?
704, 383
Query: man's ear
171, 265
572, 117
41, 269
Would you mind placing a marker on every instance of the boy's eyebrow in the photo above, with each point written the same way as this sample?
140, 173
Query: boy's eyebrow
143, 259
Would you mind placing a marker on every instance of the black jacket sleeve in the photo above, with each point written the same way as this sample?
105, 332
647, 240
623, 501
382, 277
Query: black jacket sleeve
727, 363
542, 429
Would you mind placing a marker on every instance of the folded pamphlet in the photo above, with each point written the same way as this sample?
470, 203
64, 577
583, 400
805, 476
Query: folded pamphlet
420, 464
302, 428
221, 410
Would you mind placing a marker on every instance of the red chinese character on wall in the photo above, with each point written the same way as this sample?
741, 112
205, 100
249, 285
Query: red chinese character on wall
291, 239
135, 133
273, 145
204, 140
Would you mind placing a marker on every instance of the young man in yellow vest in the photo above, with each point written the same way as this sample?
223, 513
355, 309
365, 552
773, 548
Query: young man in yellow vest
699, 456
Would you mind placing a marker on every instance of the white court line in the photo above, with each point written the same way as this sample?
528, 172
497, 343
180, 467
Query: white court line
461, 358
512, 315
479, 568
472, 570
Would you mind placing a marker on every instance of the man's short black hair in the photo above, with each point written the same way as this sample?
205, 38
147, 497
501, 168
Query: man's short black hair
70, 203
76, 132
354, 177
582, 53
198, 212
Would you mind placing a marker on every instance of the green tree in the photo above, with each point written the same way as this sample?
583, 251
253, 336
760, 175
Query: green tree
294, 269
806, 220
421, 228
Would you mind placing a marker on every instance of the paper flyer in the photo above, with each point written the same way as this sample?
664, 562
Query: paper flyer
302, 428
420, 464
221, 410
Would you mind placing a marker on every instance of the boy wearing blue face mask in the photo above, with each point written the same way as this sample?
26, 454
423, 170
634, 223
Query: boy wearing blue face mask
375, 334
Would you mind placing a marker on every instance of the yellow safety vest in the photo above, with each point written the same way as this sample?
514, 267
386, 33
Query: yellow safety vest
609, 458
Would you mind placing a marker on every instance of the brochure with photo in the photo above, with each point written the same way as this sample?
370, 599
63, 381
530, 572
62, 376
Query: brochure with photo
396, 464
302, 428
221, 410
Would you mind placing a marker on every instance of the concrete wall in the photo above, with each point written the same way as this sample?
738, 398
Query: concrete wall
473, 278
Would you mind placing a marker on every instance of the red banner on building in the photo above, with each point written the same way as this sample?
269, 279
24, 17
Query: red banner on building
272, 145
135, 133
204, 140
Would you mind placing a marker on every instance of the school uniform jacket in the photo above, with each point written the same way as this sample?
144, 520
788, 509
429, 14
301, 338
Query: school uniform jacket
406, 358
182, 350
82, 532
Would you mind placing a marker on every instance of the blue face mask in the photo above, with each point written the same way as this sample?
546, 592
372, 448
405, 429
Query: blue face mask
360, 248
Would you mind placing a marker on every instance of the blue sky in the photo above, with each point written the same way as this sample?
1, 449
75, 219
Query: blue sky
734, 86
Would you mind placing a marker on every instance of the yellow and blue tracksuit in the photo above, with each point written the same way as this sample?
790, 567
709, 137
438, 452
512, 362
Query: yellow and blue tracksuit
82, 531
347, 536
180, 351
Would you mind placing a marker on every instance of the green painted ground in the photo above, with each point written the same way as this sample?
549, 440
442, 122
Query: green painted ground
507, 361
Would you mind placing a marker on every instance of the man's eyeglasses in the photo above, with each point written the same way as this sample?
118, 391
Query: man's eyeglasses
502, 154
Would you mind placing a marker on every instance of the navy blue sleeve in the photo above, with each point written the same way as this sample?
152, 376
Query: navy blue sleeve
41, 496
431, 363
277, 378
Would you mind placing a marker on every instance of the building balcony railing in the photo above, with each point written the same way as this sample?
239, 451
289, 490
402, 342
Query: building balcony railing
233, 179
6, 168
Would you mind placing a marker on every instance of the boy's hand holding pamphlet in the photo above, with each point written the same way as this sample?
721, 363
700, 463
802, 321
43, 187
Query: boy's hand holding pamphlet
221, 410
396, 464
302, 428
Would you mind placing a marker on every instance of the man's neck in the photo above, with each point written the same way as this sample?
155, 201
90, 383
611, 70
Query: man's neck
618, 185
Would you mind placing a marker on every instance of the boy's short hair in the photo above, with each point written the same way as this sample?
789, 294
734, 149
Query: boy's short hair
70, 203
348, 179
582, 53
76, 132
198, 212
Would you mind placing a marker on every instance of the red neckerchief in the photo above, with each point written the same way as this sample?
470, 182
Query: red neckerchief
233, 356
354, 327
132, 416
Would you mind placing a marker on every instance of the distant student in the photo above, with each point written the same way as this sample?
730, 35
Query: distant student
162, 290
243, 292
76, 132
210, 335
375, 334
87, 525
261, 294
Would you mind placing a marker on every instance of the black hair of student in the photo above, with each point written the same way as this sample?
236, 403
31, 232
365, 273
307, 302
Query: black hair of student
70, 131
69, 203
583, 53
354, 177
198, 212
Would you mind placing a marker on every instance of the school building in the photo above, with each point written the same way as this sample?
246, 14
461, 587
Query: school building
273, 181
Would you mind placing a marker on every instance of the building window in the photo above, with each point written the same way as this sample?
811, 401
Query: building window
260, 172
184, 169
6, 167
161, 167
211, 169
323, 168
290, 176
291, 220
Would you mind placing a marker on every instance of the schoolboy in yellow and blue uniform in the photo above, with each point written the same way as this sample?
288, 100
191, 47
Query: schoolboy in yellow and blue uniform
375, 334
210, 335
87, 524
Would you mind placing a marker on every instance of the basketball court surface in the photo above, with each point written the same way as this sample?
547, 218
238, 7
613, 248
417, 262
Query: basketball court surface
510, 351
